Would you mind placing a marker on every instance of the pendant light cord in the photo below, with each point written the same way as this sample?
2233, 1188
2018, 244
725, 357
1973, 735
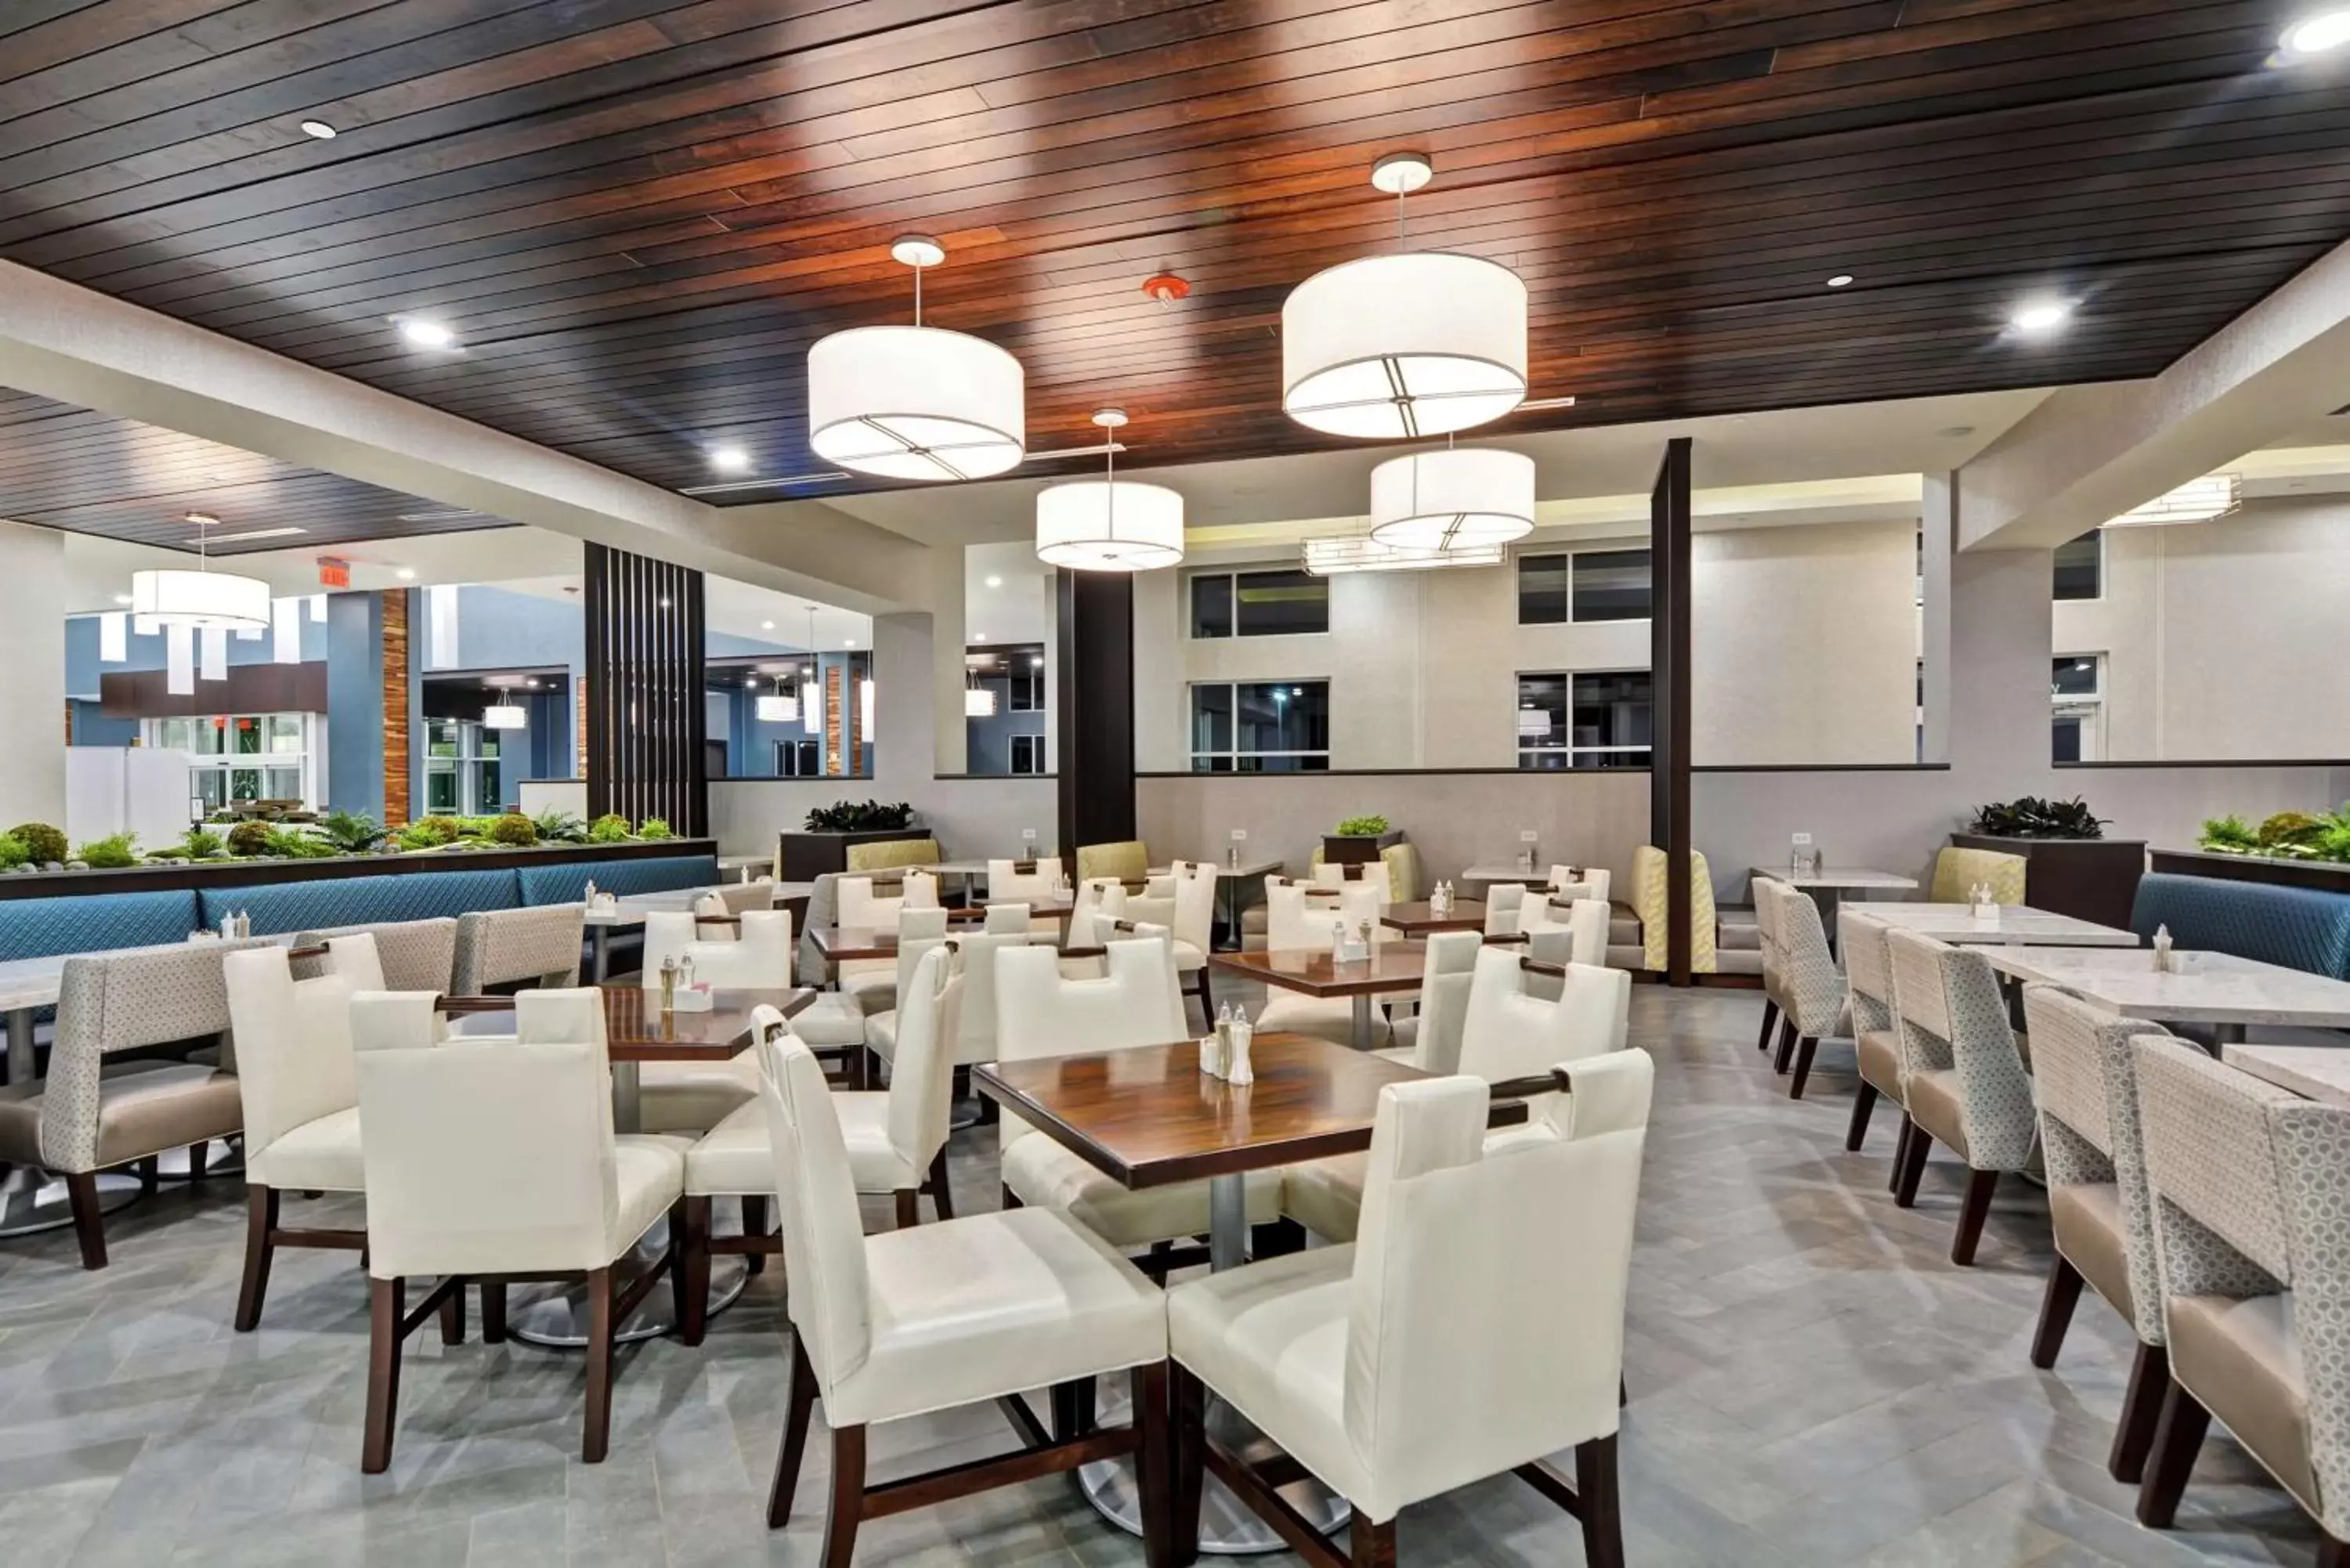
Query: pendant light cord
918, 296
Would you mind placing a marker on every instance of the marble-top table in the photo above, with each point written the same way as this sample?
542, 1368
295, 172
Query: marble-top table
1841, 879
2313, 1072
2015, 925
2218, 989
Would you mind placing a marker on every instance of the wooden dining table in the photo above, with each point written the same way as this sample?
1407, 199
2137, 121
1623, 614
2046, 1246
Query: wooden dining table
848, 944
1419, 918
1393, 966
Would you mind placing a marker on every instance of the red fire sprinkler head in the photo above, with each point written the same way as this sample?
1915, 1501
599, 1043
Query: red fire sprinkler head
1166, 287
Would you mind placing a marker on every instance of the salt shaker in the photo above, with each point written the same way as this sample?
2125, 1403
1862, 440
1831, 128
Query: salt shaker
669, 984
2162, 949
1211, 1044
1237, 1071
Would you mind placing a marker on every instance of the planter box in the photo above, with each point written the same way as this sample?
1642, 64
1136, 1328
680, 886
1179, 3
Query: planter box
202, 874
2325, 875
1353, 849
2088, 878
804, 855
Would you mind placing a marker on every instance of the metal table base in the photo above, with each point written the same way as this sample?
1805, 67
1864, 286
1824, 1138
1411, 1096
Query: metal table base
33, 1200
555, 1316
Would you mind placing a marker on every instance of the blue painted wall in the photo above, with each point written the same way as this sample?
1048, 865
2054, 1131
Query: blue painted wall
83, 668
355, 719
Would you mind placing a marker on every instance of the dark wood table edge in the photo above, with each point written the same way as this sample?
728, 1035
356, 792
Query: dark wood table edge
801, 999
1237, 964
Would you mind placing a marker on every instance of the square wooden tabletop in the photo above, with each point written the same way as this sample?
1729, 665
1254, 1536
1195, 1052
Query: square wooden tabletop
1315, 971
1149, 1117
1419, 919
636, 1030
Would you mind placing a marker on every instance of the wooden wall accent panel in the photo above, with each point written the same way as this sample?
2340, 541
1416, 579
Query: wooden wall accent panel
1669, 664
249, 689
1095, 705
838, 747
645, 716
396, 737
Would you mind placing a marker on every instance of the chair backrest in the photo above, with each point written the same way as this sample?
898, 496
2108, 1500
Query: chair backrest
859, 907
1195, 904
1922, 1019
1005, 918
1766, 922
1128, 860
736, 897
1006, 882
921, 1068
1868, 968
1504, 907
1809, 985
1097, 900
2210, 1158
485, 1155
1510, 1031
1299, 918
759, 958
293, 1041
1446, 979
500, 946
889, 854
1485, 1324
919, 890
1995, 1099
1594, 881
916, 924
1957, 871
1584, 921
824, 1235
1041, 1011
974, 1038
414, 955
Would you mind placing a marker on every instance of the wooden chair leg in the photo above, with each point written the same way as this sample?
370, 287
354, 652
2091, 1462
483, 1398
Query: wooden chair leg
2332, 1553
841, 1521
1602, 1502
2149, 1385
260, 1220
910, 1211
1007, 1200
1972, 1212
2177, 1439
788, 1454
89, 1224
199, 1161
1786, 1046
754, 1224
597, 1434
1900, 1152
1154, 1462
1864, 1105
692, 1272
2056, 1313
494, 1312
1371, 1545
386, 1304
1187, 1414
1913, 1168
1073, 1408
1770, 1020
1206, 998
1803, 1053
942, 1194
452, 1316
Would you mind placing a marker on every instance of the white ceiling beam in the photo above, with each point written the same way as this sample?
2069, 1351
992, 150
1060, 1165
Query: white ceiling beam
76, 345
2091, 453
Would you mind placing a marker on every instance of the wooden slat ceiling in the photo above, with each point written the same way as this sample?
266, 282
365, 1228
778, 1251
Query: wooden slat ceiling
639, 213
63, 467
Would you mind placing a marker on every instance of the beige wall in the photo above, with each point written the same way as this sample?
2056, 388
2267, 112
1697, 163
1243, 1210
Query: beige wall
33, 697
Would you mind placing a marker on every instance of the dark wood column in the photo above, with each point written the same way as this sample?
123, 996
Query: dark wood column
645, 710
1668, 665
1095, 707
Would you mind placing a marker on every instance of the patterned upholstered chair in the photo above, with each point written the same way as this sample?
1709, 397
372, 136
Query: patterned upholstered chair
89, 1115
2254, 1242
1766, 927
2086, 1068
1957, 871
508, 947
1128, 860
412, 955
1811, 991
1648, 865
1962, 1075
1876, 1034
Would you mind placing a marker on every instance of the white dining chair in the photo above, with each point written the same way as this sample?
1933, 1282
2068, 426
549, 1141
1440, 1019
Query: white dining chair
1299, 918
1430, 1038
1006, 883
756, 953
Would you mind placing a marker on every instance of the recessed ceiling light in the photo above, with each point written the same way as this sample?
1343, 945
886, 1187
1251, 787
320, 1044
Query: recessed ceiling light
2039, 317
1841, 280
848, 642
995, 582
767, 626
1035, 661
405, 574
730, 458
979, 636
421, 333
122, 599
2318, 33
319, 128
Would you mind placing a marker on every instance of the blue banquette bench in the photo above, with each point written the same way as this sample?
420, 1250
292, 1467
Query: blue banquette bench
2298, 927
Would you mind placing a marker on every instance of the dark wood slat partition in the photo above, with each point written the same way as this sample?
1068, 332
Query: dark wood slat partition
1669, 660
1095, 704
645, 723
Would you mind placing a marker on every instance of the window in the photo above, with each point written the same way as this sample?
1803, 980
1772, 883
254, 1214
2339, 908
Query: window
1597, 719
463, 769
1586, 585
243, 757
2081, 566
1261, 727
1284, 603
1028, 687
798, 759
2076, 685
1028, 754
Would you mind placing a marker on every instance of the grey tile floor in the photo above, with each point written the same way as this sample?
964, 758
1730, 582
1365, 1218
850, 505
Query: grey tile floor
1813, 1384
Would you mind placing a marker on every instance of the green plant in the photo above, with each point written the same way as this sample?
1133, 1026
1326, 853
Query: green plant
1362, 827
13, 852
46, 844
294, 844
200, 845
556, 825
2230, 834
111, 853
352, 832
872, 816
418, 835
653, 828
514, 829
249, 838
2293, 835
609, 828
443, 829
2029, 816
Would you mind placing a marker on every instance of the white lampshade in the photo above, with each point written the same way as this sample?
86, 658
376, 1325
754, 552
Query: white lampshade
779, 709
865, 709
211, 644
504, 716
916, 402
286, 643
1109, 525
179, 660
220, 600
113, 636
1452, 498
1330, 555
978, 702
1393, 346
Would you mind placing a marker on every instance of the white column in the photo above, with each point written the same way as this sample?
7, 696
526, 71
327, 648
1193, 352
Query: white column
33, 698
950, 740
1938, 521
904, 731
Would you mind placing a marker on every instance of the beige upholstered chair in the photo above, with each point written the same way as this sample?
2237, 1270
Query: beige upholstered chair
1875, 1033
301, 1097
1474, 1328
1956, 870
2251, 1228
1126, 861
1812, 994
1584, 919
1039, 1012
1194, 923
91, 1115
2085, 1069
411, 955
1377, 873
873, 982
1766, 930
729, 899
755, 954
1963, 1076
1398, 865
1430, 1038
1007, 883
890, 854
1002, 917
495, 1159
537, 947
1298, 918
942, 1315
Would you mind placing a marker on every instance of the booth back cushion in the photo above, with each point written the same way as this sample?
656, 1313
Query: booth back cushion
361, 900
1956, 870
2300, 928
889, 854
567, 883
44, 928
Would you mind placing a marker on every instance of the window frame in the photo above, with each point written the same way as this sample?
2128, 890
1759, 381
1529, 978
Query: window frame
1570, 556
1233, 575
1034, 746
227, 762
1232, 754
1566, 748
2097, 534
2086, 709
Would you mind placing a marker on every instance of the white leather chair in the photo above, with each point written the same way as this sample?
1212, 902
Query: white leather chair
1585, 882
1188, 909
751, 950
858, 905
896, 1139
1584, 920
1476, 1327
1505, 905
1006, 883
881, 1028
1041, 1012
1005, 917
1299, 918
1375, 873
301, 1097
918, 890
493, 1159
1430, 1039
1095, 910
873, 982
1510, 1034
943, 1315
731, 899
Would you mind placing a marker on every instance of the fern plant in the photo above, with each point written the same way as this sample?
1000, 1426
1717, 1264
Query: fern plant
353, 832
653, 828
1362, 827
609, 828
556, 825
112, 852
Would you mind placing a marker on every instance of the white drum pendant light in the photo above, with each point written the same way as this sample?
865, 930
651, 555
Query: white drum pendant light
1416, 344
202, 598
1454, 499
1107, 524
916, 402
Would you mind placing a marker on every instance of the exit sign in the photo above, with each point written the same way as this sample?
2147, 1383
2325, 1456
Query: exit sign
334, 572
